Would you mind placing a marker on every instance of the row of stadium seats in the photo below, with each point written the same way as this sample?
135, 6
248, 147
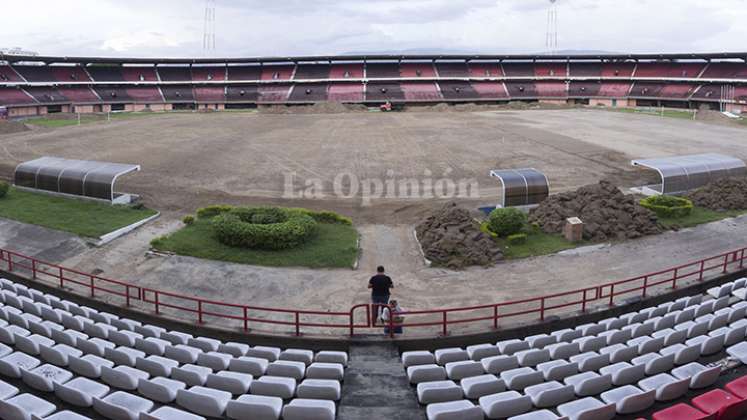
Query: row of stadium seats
354, 92
617, 366
114, 73
125, 369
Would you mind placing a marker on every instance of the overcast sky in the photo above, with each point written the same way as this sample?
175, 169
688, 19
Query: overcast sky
174, 28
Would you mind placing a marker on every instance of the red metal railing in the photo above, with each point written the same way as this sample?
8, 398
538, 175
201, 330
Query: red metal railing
359, 317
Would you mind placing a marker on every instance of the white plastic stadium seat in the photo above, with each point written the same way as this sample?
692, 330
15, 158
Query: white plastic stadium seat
160, 389
505, 404
454, 410
255, 406
304, 409
438, 391
587, 409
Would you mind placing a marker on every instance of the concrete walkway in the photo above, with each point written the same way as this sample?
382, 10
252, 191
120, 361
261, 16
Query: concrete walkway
376, 386
417, 286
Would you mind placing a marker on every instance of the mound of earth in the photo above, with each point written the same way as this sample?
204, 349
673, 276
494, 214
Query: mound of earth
452, 238
724, 194
8, 127
607, 213
317, 108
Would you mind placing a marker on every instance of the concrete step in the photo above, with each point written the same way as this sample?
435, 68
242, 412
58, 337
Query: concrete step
376, 385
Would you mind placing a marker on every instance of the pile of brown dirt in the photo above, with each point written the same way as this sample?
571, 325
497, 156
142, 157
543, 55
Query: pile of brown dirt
607, 213
479, 107
451, 237
8, 127
317, 108
724, 194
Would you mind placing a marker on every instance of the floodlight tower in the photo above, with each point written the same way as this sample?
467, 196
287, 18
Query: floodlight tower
208, 36
551, 35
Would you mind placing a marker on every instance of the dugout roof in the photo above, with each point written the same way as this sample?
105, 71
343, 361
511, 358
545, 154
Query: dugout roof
684, 173
86, 178
522, 187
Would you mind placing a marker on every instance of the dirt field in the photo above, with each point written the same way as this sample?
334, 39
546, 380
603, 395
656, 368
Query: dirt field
190, 160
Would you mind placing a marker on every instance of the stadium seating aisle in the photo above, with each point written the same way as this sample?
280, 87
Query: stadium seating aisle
14, 96
421, 91
122, 368
346, 92
617, 366
240, 73
7, 74
139, 74
46, 94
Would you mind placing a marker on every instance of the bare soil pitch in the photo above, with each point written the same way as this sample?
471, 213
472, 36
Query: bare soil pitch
192, 160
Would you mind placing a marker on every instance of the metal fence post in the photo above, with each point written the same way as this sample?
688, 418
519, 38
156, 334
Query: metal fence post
62, 278
444, 330
702, 270
583, 302
495, 317
199, 311
741, 259
298, 324
157, 303
93, 287
726, 262
127, 295
645, 285
674, 278
33, 269
542, 308
246, 319
612, 294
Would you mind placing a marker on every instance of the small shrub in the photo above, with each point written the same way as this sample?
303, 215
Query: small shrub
506, 221
517, 238
263, 228
4, 187
137, 206
212, 211
668, 206
188, 219
325, 216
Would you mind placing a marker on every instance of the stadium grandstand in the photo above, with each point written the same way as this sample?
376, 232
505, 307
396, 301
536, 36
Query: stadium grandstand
35, 85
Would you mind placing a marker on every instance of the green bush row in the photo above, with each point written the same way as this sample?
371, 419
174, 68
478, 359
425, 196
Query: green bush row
263, 228
212, 211
506, 221
668, 206
320, 216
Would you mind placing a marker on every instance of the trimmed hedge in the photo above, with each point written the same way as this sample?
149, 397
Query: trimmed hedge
668, 206
4, 187
212, 211
188, 219
506, 221
323, 216
269, 228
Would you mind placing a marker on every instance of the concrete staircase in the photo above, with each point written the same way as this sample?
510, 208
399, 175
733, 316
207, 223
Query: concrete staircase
376, 386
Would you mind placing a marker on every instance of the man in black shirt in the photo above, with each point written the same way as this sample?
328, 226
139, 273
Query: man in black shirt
380, 284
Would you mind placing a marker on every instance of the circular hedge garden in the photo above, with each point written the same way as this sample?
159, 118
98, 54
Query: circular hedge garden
270, 228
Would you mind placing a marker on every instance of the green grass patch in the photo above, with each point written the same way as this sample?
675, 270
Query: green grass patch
65, 120
536, 243
656, 112
81, 217
698, 216
334, 246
